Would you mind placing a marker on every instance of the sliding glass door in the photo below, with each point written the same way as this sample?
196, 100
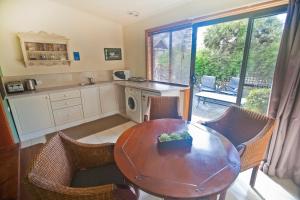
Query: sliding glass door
233, 62
218, 63
261, 61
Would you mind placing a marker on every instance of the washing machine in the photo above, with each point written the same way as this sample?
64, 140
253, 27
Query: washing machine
133, 99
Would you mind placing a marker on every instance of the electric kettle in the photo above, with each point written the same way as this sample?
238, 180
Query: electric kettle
30, 84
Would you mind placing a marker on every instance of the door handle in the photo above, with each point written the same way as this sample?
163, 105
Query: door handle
193, 79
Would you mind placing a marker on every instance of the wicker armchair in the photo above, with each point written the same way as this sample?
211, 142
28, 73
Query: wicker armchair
51, 175
250, 133
162, 107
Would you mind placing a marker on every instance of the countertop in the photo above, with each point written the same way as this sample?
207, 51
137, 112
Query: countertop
150, 86
55, 89
147, 85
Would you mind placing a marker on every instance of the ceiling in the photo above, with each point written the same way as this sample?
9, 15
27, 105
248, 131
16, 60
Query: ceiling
117, 10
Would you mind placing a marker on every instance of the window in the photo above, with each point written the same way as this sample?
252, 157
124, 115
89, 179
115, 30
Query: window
171, 56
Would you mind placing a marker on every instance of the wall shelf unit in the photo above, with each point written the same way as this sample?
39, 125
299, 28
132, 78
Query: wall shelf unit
43, 49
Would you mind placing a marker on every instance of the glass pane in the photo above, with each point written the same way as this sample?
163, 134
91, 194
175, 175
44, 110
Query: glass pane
181, 56
265, 41
172, 65
161, 51
219, 57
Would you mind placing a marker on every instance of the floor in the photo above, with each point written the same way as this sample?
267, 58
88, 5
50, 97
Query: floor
265, 188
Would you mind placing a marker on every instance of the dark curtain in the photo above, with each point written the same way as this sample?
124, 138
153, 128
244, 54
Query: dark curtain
284, 152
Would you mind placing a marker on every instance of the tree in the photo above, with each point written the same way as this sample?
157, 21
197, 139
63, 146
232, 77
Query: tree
223, 49
265, 43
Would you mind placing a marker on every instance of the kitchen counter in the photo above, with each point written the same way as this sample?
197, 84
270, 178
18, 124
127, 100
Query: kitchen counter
151, 86
147, 85
55, 89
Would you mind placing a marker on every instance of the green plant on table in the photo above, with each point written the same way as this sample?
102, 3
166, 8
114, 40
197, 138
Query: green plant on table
174, 136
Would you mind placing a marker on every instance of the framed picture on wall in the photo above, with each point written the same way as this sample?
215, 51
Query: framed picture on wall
113, 53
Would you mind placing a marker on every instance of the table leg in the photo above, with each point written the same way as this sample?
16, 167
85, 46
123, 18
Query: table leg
198, 102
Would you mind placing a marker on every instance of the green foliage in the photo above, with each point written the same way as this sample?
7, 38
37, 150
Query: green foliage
264, 48
174, 136
223, 50
224, 43
163, 58
258, 99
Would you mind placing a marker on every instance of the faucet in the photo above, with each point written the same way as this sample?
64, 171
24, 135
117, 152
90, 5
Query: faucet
91, 80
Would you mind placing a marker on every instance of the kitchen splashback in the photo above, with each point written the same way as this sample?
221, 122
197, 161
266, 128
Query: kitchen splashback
62, 79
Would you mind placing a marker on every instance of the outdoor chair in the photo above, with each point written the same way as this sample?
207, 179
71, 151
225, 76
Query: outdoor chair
208, 83
162, 107
249, 132
65, 169
232, 87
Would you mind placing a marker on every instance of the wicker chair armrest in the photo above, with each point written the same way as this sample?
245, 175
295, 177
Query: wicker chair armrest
47, 190
241, 149
89, 155
255, 149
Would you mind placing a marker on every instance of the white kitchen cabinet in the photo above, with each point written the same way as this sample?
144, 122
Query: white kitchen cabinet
67, 108
120, 93
58, 96
108, 100
91, 102
68, 115
65, 103
33, 115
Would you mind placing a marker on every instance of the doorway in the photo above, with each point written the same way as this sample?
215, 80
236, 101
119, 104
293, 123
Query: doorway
233, 62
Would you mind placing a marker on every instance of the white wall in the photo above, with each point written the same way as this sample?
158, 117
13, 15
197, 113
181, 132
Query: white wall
134, 34
88, 35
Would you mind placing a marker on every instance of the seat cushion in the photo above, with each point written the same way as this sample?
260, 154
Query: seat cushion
103, 175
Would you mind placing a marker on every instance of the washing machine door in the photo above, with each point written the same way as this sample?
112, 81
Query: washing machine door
131, 103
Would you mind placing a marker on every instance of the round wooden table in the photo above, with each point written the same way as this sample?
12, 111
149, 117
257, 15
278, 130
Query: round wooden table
206, 169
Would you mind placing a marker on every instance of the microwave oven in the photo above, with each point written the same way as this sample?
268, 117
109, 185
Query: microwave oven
121, 75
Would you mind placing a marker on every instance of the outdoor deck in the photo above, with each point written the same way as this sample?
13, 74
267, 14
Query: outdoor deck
207, 111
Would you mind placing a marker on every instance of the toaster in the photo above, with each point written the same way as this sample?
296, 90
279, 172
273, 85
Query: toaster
14, 86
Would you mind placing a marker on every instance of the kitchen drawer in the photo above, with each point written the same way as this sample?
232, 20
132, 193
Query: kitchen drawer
65, 103
67, 115
64, 95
